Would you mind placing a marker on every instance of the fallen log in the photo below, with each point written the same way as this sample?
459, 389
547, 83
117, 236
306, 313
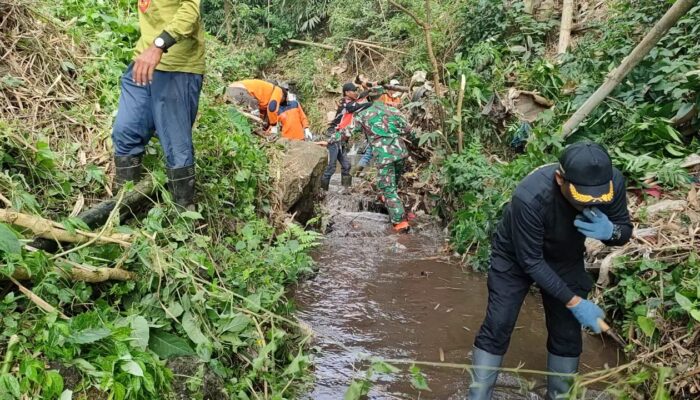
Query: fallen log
48, 229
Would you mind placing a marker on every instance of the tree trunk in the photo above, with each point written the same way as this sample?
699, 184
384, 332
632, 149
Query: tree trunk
228, 20
669, 19
567, 18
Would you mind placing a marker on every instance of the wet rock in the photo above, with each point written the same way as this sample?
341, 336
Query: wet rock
296, 177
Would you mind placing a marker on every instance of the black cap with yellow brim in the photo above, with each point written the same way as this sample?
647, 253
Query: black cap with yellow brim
587, 169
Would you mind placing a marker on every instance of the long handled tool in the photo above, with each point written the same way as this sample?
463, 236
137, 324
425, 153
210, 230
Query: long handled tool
611, 332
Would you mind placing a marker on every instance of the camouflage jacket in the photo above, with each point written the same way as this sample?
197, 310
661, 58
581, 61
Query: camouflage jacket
383, 126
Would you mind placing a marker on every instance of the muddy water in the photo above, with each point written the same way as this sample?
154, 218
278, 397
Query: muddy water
394, 296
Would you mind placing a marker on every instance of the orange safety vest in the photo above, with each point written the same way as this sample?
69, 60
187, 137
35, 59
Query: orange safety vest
390, 101
269, 97
293, 120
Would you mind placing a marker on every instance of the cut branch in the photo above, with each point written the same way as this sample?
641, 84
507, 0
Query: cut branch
48, 229
669, 19
41, 303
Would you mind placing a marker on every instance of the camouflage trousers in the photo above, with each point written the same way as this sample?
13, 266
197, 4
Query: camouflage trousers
388, 182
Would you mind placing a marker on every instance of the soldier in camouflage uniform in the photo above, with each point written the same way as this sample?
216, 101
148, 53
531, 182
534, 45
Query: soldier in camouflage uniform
383, 126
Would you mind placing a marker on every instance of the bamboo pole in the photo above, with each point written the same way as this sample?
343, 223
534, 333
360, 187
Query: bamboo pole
81, 273
460, 135
567, 19
614, 78
47, 229
321, 45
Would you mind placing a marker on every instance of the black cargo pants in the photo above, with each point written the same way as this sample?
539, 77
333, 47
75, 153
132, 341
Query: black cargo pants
508, 285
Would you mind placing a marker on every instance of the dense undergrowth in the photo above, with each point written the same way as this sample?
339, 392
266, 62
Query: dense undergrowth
205, 318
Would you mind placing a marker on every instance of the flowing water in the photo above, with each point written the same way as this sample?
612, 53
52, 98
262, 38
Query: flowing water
397, 296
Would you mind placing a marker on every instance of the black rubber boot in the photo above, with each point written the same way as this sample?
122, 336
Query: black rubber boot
325, 184
346, 180
181, 186
127, 168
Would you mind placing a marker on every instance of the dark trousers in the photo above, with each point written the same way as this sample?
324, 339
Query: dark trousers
336, 154
508, 287
167, 106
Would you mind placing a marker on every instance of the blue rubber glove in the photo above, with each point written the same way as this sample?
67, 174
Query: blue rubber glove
594, 224
587, 313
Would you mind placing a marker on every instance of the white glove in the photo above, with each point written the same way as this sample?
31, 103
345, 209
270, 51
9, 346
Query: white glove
274, 129
308, 136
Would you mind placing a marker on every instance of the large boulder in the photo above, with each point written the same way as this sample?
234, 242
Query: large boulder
296, 175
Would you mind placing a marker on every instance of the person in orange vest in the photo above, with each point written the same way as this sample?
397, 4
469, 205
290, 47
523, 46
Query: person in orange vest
295, 125
392, 99
268, 96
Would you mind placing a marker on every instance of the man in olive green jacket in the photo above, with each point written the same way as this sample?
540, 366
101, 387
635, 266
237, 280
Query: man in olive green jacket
160, 93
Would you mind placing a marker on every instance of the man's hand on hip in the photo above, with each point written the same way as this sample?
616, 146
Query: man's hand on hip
145, 64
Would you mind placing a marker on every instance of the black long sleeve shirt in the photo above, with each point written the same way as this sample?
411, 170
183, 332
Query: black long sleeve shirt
348, 105
537, 233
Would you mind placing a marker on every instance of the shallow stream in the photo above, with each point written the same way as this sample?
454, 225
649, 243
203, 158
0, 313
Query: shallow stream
397, 296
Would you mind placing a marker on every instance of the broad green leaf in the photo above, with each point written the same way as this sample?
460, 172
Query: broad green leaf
167, 345
8, 240
418, 379
175, 309
66, 395
90, 335
133, 368
191, 327
191, 215
297, 365
684, 302
382, 367
356, 390
139, 332
235, 325
9, 386
647, 325
695, 314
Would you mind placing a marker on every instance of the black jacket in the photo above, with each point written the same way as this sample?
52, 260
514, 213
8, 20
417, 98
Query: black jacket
537, 233
347, 105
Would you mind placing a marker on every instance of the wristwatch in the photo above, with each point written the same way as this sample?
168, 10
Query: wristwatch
616, 233
160, 43
164, 41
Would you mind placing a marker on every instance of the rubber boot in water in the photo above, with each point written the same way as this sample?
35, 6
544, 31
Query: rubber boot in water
346, 181
402, 227
127, 168
481, 387
181, 186
558, 386
325, 183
